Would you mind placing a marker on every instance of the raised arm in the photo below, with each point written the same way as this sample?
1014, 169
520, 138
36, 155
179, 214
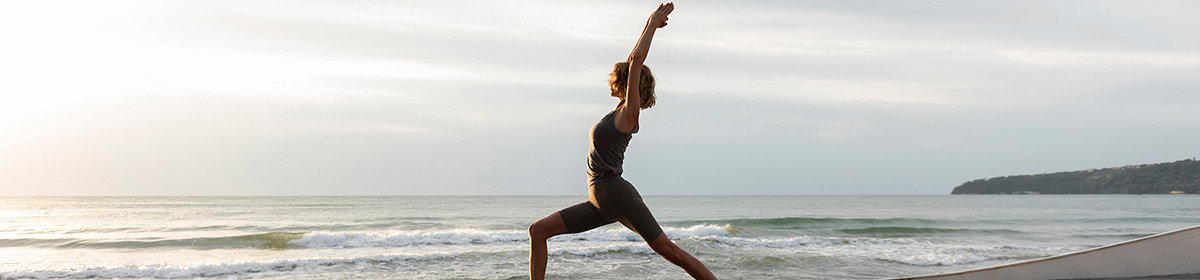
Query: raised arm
628, 117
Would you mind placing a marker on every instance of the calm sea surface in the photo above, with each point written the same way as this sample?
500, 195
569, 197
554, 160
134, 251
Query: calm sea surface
483, 237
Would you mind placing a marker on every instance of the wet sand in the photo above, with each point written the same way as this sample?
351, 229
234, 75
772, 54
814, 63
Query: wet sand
1164, 277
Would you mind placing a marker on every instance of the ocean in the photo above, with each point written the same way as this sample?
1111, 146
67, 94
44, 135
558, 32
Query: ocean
484, 237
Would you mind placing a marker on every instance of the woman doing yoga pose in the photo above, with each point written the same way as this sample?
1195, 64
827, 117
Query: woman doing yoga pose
610, 197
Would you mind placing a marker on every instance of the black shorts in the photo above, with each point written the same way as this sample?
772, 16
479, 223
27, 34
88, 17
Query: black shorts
611, 199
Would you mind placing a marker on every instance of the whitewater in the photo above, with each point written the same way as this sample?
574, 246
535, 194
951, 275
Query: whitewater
484, 237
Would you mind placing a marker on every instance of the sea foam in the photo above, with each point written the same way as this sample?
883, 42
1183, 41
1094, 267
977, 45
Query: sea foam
211, 270
326, 239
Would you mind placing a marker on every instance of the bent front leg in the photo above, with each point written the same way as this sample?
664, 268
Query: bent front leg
539, 231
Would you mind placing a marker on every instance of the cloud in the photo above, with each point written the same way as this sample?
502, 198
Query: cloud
454, 97
1102, 59
372, 126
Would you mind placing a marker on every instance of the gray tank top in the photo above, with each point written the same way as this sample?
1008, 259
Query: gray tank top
606, 154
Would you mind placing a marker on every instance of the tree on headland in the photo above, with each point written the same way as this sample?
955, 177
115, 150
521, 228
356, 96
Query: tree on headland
1161, 178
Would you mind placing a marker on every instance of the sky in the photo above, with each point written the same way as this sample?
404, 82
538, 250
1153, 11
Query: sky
253, 97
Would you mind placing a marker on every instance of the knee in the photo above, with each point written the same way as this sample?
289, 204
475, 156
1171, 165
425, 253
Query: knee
538, 231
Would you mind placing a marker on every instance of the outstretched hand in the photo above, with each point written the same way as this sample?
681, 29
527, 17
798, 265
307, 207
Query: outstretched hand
659, 18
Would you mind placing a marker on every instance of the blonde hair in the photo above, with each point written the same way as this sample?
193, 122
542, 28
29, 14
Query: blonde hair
619, 77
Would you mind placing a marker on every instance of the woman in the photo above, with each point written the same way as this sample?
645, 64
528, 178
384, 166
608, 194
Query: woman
610, 197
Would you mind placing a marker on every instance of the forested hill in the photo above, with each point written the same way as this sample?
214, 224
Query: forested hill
1160, 178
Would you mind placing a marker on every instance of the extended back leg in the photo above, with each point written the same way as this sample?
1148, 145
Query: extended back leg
668, 250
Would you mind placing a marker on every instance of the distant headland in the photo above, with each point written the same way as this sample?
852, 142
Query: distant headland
1180, 177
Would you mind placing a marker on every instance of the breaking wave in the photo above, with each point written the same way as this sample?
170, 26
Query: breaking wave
921, 231
810, 222
474, 236
270, 240
330, 239
215, 269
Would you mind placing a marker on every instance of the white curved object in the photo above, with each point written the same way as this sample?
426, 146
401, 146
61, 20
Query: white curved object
1170, 253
